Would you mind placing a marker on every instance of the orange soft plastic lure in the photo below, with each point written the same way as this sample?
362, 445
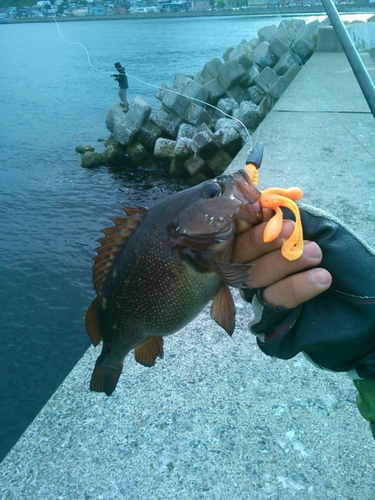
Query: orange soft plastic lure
275, 198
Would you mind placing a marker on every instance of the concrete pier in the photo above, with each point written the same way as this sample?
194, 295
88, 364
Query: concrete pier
216, 419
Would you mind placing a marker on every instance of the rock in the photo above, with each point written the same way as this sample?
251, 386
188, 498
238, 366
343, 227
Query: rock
286, 62
139, 112
237, 93
266, 79
151, 164
278, 47
194, 165
267, 33
215, 90
164, 149
266, 105
292, 73
148, 135
243, 55
229, 140
175, 102
203, 142
251, 76
211, 69
137, 153
230, 74
249, 114
308, 33
291, 27
183, 148
180, 80
223, 123
219, 162
186, 130
91, 159
256, 94
128, 126
196, 115
226, 105
115, 115
227, 53
161, 91
115, 154
124, 132
263, 56
177, 167
167, 121
195, 91
279, 87
83, 148
304, 49
253, 44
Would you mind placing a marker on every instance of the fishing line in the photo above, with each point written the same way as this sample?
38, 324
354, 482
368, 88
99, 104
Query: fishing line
166, 89
76, 43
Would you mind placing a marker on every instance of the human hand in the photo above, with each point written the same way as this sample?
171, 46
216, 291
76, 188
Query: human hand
286, 283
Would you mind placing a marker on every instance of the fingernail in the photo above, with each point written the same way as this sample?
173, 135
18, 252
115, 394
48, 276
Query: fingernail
320, 277
312, 250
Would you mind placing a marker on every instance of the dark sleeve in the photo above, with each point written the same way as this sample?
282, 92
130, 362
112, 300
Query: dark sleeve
336, 329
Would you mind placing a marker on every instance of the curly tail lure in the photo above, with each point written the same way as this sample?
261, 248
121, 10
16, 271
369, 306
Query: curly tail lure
275, 198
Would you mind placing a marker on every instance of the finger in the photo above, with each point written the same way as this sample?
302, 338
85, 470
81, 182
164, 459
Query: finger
249, 246
242, 225
273, 267
296, 289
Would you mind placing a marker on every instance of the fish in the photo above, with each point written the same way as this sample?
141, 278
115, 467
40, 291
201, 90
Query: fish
156, 269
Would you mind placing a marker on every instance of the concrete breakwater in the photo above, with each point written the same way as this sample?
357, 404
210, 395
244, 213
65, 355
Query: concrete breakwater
186, 134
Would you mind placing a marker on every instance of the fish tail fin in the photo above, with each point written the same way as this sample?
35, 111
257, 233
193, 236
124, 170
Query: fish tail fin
104, 378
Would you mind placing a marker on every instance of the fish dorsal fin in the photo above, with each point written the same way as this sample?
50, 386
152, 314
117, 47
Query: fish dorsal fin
112, 243
223, 310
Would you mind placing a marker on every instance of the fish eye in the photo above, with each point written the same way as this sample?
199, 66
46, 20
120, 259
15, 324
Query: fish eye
213, 190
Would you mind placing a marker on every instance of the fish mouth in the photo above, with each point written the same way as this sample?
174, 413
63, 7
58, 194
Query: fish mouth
225, 232
250, 211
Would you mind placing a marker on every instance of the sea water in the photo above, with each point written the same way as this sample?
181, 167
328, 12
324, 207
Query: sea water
51, 209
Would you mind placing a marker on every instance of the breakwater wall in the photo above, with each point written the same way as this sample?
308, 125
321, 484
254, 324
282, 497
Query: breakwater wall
204, 119
187, 135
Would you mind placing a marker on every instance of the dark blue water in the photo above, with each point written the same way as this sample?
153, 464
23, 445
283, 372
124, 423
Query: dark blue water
51, 210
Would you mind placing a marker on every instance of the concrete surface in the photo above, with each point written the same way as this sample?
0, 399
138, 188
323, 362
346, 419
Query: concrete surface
362, 34
216, 419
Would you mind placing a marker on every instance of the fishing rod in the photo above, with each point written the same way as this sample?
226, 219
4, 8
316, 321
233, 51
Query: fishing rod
355, 61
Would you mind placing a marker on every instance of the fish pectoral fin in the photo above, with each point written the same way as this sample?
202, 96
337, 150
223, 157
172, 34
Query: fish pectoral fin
223, 310
147, 352
92, 323
233, 274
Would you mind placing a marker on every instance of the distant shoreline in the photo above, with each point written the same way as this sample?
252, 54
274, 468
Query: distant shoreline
258, 12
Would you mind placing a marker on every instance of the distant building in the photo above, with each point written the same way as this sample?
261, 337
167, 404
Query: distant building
81, 12
143, 9
173, 6
200, 5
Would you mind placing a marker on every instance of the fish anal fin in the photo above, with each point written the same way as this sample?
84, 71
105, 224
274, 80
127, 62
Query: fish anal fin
114, 240
146, 353
223, 310
104, 378
92, 323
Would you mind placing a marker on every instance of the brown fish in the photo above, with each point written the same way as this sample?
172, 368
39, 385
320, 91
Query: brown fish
157, 269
